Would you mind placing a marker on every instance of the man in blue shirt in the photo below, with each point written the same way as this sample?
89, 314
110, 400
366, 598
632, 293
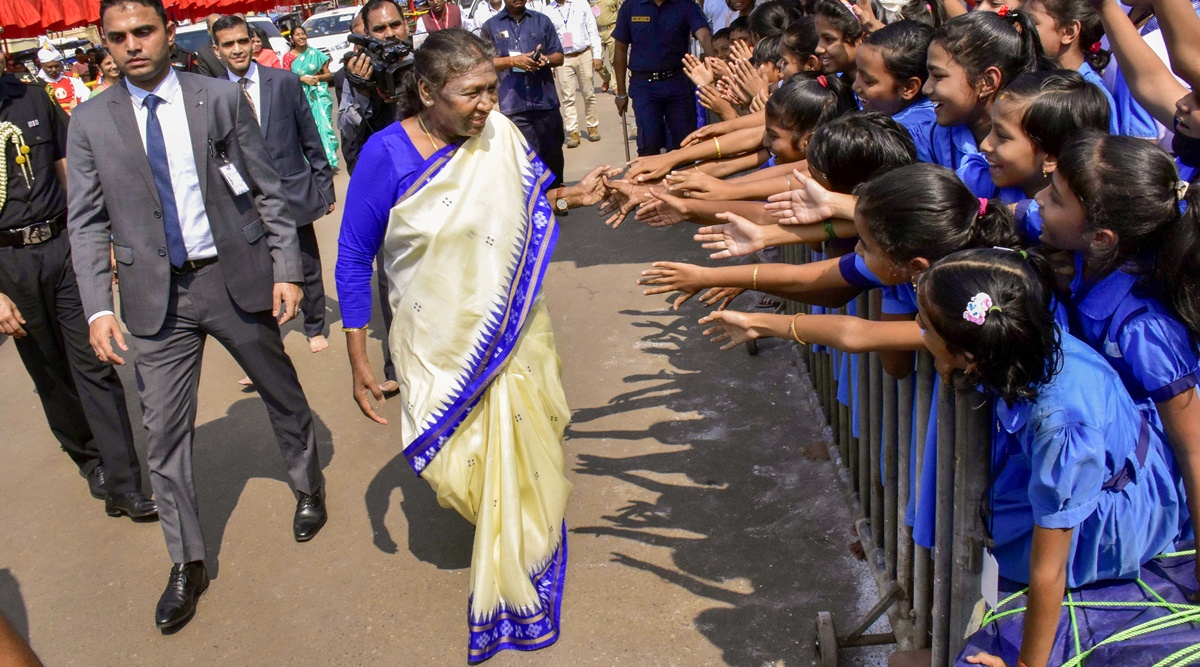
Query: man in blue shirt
651, 38
527, 93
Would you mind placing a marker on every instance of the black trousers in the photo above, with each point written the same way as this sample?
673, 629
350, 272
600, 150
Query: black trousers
84, 399
543, 129
313, 303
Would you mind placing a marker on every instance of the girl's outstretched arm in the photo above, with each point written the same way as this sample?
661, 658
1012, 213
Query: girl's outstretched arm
1150, 81
1180, 26
847, 333
739, 236
819, 283
663, 209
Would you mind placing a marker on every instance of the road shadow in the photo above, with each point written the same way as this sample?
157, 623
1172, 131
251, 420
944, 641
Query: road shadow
229, 452
753, 525
12, 603
436, 535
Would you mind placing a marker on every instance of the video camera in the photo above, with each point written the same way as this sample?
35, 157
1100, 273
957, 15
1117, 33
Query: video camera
388, 61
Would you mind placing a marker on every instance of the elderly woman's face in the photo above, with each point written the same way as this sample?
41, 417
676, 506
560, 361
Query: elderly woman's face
463, 105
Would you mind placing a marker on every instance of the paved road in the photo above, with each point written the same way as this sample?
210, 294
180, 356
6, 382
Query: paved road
698, 535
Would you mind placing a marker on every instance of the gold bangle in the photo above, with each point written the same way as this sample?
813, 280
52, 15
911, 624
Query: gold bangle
718, 145
349, 329
792, 329
754, 279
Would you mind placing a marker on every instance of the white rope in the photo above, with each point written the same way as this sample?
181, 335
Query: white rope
10, 133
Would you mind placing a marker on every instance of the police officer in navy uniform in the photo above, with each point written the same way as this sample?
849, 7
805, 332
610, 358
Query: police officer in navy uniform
650, 40
40, 306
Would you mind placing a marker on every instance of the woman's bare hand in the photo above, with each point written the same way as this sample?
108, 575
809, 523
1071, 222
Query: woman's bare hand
730, 328
738, 237
667, 277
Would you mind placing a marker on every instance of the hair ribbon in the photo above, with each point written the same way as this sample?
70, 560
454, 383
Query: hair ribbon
1181, 190
1003, 11
1094, 48
822, 80
982, 206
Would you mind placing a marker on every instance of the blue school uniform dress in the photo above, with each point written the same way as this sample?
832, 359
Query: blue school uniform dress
1132, 119
1082, 456
955, 148
1091, 76
920, 120
1149, 348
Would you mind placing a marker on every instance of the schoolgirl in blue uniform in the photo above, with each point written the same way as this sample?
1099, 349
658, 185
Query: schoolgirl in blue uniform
1032, 119
839, 35
1081, 490
891, 72
1135, 297
971, 59
1070, 33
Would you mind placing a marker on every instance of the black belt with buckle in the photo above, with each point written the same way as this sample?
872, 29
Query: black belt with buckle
38, 232
193, 265
656, 76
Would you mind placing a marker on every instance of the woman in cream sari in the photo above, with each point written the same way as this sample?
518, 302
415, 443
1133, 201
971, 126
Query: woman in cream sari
459, 204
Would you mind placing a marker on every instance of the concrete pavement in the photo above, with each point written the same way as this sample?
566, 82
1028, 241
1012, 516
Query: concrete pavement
698, 534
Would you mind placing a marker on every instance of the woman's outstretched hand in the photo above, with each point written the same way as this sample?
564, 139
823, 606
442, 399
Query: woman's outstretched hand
592, 187
697, 184
730, 328
662, 210
649, 167
667, 277
620, 199
738, 237
365, 387
803, 205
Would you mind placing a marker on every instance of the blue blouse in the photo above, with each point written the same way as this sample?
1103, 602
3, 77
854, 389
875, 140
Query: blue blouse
1132, 119
1090, 75
388, 164
919, 119
1070, 459
1153, 352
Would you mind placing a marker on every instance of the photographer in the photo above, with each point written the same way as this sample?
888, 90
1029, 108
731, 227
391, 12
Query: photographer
383, 20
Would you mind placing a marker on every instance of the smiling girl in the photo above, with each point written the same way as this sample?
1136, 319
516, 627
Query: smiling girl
891, 72
839, 35
971, 58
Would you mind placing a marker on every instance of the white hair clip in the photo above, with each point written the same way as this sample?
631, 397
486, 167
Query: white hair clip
1181, 190
978, 308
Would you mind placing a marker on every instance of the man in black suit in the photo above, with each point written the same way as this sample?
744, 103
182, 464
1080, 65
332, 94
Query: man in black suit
208, 62
206, 245
294, 146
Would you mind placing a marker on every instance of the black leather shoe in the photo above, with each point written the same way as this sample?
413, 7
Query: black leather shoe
184, 588
133, 505
96, 482
310, 515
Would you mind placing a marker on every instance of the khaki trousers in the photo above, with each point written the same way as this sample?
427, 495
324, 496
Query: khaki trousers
576, 74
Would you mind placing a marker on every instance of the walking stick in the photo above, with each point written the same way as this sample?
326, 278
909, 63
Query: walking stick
625, 132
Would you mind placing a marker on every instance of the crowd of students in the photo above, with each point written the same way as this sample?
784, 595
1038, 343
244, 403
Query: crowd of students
1024, 202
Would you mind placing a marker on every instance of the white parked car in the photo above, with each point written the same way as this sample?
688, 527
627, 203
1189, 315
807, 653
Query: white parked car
195, 37
327, 31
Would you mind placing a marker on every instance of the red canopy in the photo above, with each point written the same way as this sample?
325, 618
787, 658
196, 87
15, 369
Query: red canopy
30, 18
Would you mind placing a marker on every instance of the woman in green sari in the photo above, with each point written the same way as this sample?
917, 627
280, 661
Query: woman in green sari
313, 68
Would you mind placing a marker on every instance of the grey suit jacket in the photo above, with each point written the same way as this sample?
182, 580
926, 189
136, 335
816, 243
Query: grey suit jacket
294, 144
111, 197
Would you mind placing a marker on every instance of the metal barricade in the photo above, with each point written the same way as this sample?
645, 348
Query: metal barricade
928, 597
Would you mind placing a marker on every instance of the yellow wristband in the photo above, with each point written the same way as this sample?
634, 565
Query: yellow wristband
718, 145
754, 279
349, 329
792, 329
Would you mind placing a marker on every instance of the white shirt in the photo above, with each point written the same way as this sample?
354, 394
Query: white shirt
575, 24
480, 11
189, 199
82, 93
719, 14
252, 86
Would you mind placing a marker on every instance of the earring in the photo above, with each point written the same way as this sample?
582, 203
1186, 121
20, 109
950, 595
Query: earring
1044, 174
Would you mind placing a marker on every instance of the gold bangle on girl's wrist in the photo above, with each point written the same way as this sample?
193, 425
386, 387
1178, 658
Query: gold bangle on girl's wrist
718, 145
754, 278
792, 329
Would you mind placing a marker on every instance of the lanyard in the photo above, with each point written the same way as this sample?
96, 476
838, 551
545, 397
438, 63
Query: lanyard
567, 19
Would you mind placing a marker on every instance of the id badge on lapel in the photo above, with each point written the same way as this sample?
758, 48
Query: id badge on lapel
233, 178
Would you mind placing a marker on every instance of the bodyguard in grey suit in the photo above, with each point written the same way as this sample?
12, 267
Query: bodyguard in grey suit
294, 146
171, 169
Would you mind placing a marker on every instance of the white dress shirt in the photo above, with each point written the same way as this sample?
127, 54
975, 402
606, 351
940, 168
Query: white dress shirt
574, 18
252, 86
719, 14
189, 199
480, 11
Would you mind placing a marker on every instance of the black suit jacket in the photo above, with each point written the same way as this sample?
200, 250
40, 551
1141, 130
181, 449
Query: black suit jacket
294, 144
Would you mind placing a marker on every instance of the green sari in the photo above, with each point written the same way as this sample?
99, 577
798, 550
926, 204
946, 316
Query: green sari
310, 63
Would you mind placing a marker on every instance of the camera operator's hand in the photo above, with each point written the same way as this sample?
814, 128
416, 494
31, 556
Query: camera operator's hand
360, 66
526, 62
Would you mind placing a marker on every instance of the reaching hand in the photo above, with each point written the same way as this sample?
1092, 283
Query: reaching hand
806, 204
738, 237
621, 198
10, 318
662, 210
759, 102
722, 296
719, 67
747, 78
592, 186
650, 167
670, 277
730, 90
729, 327
698, 185
740, 50
985, 658
697, 71
701, 134
710, 97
